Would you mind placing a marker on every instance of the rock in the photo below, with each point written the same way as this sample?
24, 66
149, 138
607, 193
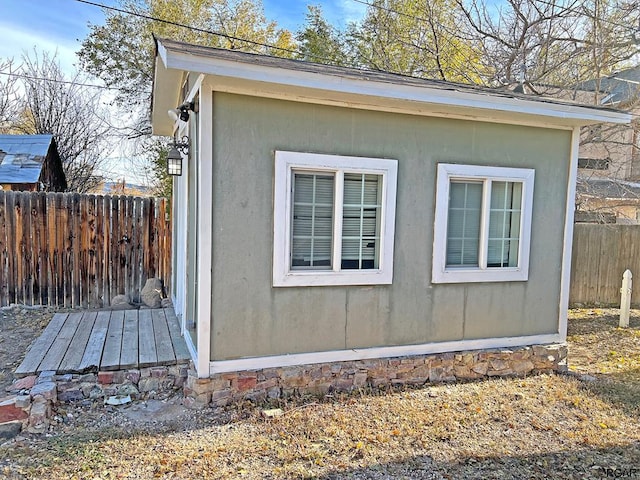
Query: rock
166, 303
23, 401
10, 430
360, 379
128, 389
151, 294
522, 367
22, 384
95, 393
120, 302
46, 376
118, 400
271, 413
9, 412
71, 395
149, 384
39, 417
48, 391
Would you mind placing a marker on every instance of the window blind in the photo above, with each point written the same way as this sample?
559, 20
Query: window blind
463, 228
312, 231
361, 221
504, 224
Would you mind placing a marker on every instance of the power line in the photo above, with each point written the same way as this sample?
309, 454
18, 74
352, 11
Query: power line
54, 80
253, 42
189, 27
549, 3
460, 65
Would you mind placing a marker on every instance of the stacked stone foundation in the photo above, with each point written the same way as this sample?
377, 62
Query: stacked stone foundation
325, 378
33, 399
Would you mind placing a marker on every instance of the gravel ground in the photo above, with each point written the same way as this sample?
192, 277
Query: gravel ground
580, 426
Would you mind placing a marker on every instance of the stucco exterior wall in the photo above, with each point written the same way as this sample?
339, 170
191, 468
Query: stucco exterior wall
252, 318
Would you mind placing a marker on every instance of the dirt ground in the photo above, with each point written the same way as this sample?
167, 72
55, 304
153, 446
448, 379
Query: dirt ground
584, 425
19, 327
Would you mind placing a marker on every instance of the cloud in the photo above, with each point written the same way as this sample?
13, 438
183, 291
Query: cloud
23, 41
352, 11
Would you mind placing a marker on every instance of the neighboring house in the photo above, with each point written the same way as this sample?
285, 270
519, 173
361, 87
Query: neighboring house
30, 163
336, 228
609, 160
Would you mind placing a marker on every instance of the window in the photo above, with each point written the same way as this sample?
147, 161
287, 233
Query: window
334, 220
594, 163
483, 224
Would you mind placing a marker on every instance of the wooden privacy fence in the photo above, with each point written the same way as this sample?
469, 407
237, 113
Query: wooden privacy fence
601, 254
67, 249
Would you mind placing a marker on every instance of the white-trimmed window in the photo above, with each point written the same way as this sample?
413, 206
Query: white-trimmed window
334, 220
482, 224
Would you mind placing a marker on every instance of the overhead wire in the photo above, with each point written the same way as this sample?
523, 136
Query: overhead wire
54, 80
190, 27
549, 3
211, 32
460, 65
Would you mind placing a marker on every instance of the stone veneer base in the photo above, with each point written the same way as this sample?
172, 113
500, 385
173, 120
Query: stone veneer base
320, 379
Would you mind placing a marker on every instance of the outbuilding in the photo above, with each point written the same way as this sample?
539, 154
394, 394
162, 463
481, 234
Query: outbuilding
31, 163
336, 228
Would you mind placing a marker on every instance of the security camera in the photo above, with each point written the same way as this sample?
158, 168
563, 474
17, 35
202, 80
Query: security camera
182, 112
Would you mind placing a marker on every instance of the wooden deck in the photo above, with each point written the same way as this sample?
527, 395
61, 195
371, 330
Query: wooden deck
106, 340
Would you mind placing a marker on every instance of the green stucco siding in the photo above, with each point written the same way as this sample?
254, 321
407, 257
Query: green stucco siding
252, 318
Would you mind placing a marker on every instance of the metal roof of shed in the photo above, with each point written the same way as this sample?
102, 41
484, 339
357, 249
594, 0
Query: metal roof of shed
22, 157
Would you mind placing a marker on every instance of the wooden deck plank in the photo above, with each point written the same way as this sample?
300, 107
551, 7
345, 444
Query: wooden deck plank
148, 354
179, 344
164, 345
113, 343
95, 344
129, 353
39, 349
71, 361
59, 347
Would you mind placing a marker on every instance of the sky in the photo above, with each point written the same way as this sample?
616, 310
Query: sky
59, 26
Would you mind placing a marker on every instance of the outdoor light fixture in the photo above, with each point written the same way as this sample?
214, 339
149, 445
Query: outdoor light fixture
182, 111
174, 158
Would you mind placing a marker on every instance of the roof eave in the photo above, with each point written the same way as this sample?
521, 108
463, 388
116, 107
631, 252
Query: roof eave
166, 93
238, 77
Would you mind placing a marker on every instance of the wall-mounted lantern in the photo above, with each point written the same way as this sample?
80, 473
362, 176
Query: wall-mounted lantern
174, 158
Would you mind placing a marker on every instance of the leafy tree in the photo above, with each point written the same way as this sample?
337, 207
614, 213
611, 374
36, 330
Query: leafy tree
121, 52
319, 41
415, 37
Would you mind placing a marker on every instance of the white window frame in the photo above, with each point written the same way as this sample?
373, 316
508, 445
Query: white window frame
285, 164
453, 172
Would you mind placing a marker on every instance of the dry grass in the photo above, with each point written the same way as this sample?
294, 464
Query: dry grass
537, 427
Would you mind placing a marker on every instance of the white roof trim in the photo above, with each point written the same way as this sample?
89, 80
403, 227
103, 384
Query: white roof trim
370, 93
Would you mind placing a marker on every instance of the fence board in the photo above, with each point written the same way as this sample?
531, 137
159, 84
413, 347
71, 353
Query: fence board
12, 274
24, 202
41, 246
72, 250
4, 278
601, 254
